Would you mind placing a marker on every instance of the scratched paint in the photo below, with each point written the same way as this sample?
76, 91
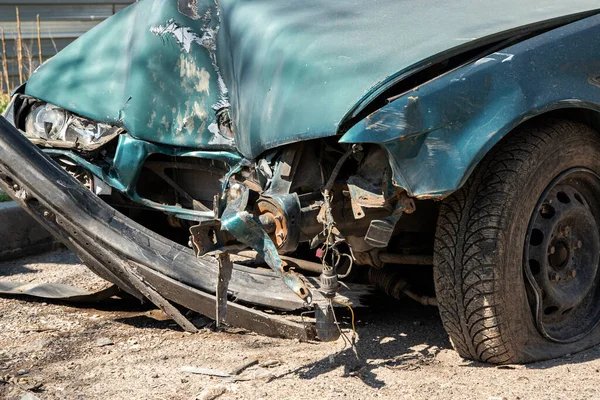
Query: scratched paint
189, 8
436, 139
186, 37
291, 71
288, 71
165, 87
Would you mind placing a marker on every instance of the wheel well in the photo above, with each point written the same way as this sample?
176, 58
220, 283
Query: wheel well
427, 210
584, 115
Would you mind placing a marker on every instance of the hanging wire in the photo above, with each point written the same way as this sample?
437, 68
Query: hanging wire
347, 341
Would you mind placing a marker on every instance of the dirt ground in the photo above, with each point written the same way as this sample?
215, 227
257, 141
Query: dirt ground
119, 349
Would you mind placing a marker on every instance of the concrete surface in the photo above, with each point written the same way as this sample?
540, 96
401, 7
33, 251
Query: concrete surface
20, 234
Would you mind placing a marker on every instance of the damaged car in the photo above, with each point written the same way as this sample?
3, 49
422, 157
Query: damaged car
230, 155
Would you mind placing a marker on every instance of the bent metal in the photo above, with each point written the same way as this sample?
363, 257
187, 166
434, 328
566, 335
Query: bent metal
231, 156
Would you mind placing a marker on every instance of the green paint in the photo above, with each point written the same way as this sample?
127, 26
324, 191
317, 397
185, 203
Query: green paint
293, 70
130, 71
131, 153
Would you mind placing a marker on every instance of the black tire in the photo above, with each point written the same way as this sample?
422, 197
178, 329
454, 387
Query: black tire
484, 296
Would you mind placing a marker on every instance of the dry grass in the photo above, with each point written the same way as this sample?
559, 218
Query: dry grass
4, 99
27, 60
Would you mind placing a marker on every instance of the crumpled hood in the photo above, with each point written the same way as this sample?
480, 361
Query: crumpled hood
287, 70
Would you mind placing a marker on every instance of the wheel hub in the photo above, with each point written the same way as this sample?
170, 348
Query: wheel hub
562, 256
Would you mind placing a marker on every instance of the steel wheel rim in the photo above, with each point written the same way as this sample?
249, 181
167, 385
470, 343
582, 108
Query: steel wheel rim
562, 254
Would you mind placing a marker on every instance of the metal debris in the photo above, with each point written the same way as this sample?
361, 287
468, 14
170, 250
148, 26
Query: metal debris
270, 363
205, 371
223, 278
57, 291
215, 372
151, 294
243, 367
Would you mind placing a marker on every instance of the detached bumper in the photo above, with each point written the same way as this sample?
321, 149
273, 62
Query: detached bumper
102, 237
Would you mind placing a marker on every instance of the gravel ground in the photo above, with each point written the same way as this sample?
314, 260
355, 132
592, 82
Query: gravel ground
119, 349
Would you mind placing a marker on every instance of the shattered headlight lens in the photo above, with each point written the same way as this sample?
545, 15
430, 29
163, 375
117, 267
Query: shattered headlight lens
48, 122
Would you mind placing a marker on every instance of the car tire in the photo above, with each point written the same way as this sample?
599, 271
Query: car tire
503, 298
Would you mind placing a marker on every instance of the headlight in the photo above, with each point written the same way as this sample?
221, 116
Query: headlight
46, 121
49, 123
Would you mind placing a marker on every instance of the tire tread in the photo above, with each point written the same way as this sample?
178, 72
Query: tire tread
470, 225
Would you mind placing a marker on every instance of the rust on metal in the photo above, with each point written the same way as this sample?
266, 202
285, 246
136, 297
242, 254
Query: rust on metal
223, 277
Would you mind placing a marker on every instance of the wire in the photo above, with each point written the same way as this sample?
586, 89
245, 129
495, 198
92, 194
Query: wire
343, 276
352, 342
351, 313
337, 324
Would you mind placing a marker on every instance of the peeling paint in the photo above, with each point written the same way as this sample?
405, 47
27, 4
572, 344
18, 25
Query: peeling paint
152, 118
189, 8
193, 79
483, 61
508, 57
213, 128
165, 123
185, 37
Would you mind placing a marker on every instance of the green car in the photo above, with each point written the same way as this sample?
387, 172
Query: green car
182, 145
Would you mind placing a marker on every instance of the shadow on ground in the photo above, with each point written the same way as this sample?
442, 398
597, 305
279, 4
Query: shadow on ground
397, 334
26, 265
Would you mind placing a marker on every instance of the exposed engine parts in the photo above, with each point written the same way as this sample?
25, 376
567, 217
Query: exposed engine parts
391, 282
311, 208
312, 200
280, 217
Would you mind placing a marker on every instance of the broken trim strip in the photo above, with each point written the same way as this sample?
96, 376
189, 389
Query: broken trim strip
237, 315
110, 243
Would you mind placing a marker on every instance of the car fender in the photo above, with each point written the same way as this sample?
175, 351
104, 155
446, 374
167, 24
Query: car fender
436, 133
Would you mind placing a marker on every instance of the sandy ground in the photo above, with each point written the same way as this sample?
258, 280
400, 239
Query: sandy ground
119, 349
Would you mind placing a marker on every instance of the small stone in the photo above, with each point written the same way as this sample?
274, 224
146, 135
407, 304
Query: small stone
433, 351
29, 384
29, 396
101, 342
270, 364
135, 347
22, 372
212, 392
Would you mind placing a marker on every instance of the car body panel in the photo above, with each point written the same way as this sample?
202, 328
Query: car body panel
123, 173
228, 81
124, 73
437, 133
289, 71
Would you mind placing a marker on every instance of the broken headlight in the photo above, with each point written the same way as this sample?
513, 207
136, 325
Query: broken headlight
49, 123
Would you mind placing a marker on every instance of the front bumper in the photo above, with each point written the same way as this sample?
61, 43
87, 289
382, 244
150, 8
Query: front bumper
102, 238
